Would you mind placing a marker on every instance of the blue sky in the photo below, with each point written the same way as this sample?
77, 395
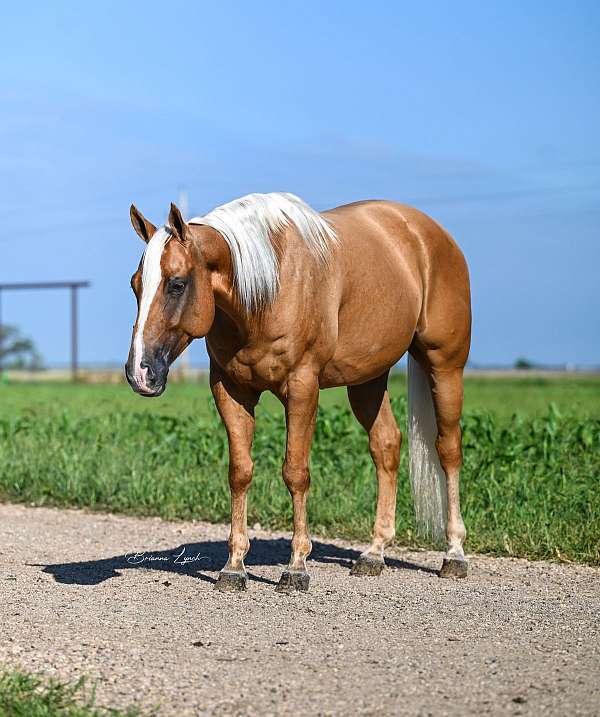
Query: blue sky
485, 115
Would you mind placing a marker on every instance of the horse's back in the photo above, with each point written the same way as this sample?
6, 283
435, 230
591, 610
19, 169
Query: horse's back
398, 225
408, 241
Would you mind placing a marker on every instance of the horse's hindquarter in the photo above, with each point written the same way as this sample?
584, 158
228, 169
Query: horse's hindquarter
391, 258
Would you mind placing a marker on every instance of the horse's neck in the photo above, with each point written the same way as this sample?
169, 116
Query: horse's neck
217, 257
250, 326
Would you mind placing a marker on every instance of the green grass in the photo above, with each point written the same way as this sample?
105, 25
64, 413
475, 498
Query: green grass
26, 695
529, 482
527, 396
575, 395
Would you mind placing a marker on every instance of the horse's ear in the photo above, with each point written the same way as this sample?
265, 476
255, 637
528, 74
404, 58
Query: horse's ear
177, 223
144, 229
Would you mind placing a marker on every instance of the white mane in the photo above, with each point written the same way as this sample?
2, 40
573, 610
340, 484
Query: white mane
248, 225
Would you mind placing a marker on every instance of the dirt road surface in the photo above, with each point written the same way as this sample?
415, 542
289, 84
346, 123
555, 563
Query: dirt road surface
110, 597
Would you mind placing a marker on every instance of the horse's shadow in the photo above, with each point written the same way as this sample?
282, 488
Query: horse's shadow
196, 559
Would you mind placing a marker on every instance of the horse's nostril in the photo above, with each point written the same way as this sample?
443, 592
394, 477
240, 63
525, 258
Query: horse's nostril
150, 373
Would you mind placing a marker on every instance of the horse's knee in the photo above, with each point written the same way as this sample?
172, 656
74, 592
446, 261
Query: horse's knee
240, 475
296, 477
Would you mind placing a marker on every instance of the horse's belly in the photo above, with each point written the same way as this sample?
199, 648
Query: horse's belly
373, 343
382, 295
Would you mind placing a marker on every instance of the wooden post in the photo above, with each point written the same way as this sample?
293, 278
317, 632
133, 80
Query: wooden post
74, 286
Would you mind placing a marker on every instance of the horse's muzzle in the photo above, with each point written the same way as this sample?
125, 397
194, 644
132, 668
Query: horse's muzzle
149, 379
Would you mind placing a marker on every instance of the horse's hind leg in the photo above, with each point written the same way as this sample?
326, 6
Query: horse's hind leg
447, 394
371, 405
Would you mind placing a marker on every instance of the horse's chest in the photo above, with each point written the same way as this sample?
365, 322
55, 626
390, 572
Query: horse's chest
262, 367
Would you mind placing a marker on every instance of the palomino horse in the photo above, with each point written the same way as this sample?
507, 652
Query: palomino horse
292, 301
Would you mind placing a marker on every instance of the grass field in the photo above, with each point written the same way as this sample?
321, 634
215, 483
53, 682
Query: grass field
26, 695
579, 395
529, 482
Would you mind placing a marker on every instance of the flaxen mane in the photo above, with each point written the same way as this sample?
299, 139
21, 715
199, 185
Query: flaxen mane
248, 225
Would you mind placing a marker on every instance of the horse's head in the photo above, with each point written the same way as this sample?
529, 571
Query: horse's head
175, 301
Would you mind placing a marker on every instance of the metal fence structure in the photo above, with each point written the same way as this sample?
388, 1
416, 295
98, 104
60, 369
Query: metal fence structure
73, 287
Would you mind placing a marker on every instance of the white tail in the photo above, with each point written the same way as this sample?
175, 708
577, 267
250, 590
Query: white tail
427, 478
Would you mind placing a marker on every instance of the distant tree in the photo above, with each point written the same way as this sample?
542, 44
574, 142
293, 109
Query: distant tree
17, 351
523, 363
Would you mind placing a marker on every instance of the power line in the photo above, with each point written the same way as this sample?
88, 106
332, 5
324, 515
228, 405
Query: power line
500, 195
427, 201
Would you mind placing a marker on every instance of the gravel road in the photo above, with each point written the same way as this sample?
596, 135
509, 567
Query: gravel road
110, 597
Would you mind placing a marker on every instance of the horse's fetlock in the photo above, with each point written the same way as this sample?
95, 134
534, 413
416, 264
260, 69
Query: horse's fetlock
456, 531
239, 544
388, 535
301, 546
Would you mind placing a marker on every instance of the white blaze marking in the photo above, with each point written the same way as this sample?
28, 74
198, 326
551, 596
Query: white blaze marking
151, 278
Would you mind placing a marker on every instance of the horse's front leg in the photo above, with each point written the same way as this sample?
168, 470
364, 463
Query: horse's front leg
301, 403
236, 407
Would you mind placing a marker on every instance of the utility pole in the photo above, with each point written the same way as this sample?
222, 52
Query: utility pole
74, 337
184, 359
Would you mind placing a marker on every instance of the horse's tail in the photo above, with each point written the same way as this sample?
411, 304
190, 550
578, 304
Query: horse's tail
427, 478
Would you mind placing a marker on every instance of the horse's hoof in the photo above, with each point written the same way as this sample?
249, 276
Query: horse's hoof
366, 565
454, 568
231, 582
290, 582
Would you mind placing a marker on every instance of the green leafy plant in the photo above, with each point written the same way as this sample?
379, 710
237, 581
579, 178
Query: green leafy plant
529, 484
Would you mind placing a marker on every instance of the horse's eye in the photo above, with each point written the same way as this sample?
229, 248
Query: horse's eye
176, 286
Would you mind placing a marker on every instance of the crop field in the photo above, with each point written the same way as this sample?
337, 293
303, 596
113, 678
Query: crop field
529, 483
